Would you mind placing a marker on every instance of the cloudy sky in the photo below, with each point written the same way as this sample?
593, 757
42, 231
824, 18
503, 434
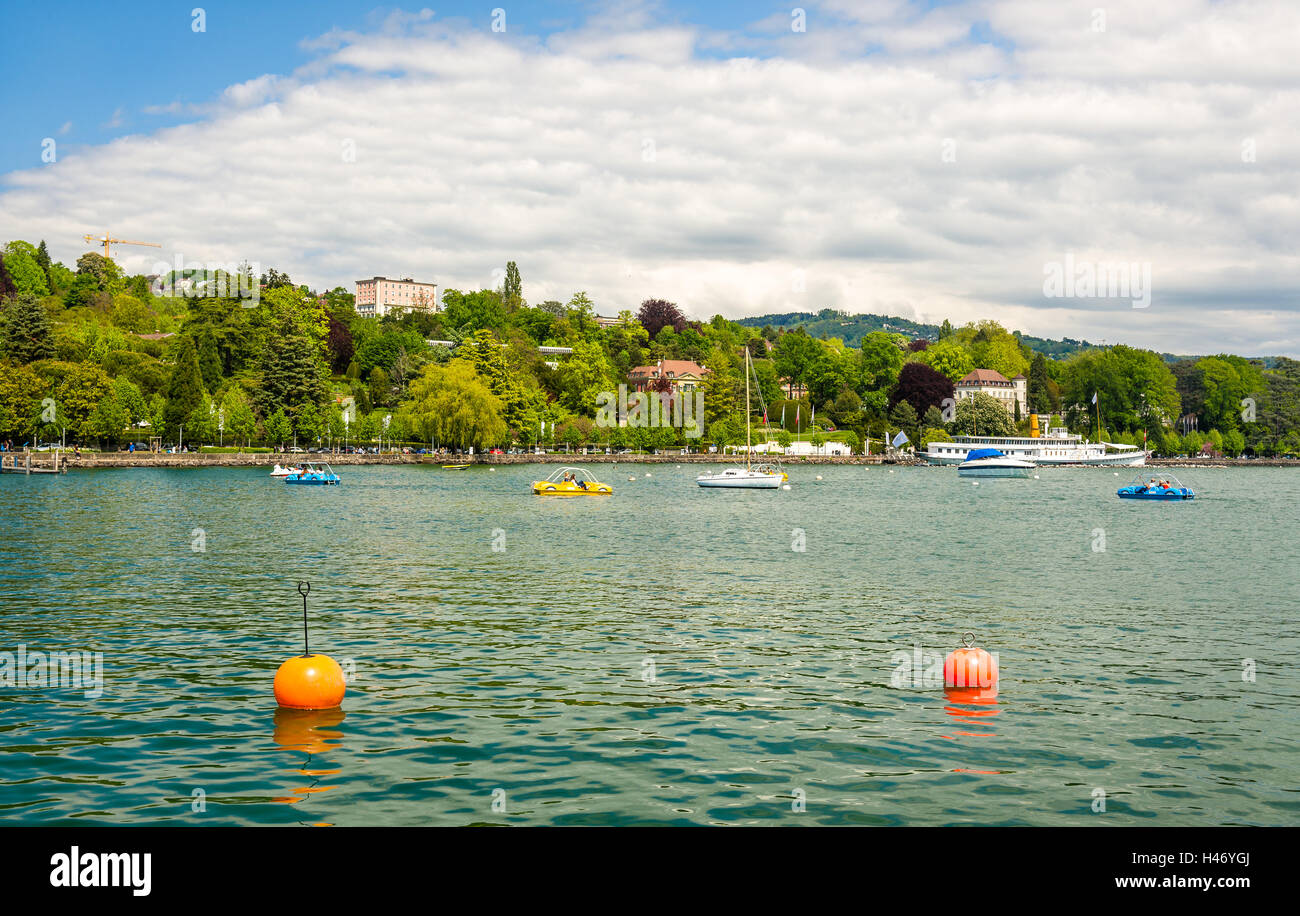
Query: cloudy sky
926, 160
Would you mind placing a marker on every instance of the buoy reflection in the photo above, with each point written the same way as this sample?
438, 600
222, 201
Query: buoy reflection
960, 699
308, 731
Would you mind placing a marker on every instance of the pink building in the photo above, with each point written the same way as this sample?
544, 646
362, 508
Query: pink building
380, 295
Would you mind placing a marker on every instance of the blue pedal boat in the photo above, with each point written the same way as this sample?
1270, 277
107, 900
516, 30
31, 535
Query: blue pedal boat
317, 474
1164, 489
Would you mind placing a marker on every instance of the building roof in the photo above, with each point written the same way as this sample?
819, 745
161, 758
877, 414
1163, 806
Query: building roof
984, 376
669, 368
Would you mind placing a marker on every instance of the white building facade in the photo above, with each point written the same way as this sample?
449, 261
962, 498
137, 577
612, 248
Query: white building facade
1008, 392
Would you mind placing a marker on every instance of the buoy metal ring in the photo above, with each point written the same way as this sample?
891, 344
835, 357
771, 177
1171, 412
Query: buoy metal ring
968, 640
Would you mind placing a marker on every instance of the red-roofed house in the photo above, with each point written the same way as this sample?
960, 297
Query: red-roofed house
1008, 392
682, 374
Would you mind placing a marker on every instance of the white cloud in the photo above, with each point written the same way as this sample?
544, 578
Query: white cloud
620, 159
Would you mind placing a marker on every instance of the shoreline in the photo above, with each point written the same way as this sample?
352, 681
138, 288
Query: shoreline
91, 461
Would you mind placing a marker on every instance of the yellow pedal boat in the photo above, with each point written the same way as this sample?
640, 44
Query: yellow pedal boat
572, 482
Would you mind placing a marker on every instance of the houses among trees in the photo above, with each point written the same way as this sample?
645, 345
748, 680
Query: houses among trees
120, 362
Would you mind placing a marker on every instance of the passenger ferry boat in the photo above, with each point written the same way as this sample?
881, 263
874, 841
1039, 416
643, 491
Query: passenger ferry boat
1057, 446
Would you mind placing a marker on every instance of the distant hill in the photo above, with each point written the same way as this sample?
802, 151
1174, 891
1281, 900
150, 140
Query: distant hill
851, 328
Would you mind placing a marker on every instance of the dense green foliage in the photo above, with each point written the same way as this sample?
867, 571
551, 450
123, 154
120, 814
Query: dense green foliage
121, 364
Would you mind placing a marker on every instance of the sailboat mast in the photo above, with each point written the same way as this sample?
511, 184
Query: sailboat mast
748, 450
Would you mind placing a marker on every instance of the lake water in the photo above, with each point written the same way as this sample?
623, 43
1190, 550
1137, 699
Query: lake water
661, 656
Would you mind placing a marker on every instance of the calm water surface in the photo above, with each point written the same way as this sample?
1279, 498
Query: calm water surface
659, 657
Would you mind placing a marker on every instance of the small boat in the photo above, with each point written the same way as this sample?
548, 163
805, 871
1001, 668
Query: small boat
319, 474
572, 482
1168, 487
285, 471
750, 477
454, 467
990, 462
758, 477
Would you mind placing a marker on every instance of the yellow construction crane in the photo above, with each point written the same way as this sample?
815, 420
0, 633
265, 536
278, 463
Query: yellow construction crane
106, 240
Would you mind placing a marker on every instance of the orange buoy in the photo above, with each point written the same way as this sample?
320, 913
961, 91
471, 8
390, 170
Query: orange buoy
969, 666
308, 681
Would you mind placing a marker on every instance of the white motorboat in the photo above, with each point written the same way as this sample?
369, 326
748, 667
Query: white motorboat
750, 477
755, 478
989, 462
278, 471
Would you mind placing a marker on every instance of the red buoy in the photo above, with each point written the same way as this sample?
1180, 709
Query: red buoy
969, 666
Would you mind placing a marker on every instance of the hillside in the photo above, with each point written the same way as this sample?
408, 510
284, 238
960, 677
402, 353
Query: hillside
851, 328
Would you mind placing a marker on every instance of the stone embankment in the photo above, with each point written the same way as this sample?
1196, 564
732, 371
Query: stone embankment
91, 460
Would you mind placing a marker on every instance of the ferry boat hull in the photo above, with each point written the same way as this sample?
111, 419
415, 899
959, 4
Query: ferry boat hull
1056, 448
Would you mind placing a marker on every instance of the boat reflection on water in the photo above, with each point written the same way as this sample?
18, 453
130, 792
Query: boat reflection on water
973, 707
311, 732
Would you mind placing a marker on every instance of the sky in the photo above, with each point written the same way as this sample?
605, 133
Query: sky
929, 160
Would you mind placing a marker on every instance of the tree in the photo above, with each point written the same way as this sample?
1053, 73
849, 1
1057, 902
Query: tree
240, 420
1226, 381
921, 387
292, 372
880, 360
340, 345
132, 400
381, 389
584, 376
132, 315
794, 356
451, 405
28, 335
184, 388
982, 415
21, 391
309, 424
903, 415
512, 291
489, 359
657, 314
1038, 391
473, 311
7, 287
104, 271
273, 279
994, 347
107, 420
209, 363
22, 262
83, 387
46, 265
278, 428
949, 358
1134, 388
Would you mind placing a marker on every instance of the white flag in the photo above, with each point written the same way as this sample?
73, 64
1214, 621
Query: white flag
1094, 397
900, 439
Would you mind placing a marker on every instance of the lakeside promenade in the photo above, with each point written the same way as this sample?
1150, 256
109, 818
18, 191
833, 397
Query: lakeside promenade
94, 460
